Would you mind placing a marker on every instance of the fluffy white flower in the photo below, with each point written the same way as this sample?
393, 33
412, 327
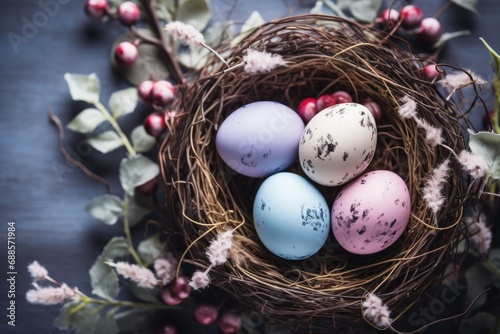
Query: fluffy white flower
200, 280
473, 164
433, 187
165, 268
480, 234
409, 107
50, 295
37, 271
218, 249
261, 61
376, 312
460, 79
433, 135
185, 33
142, 276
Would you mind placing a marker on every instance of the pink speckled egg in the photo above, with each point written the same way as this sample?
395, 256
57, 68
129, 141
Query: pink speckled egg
371, 212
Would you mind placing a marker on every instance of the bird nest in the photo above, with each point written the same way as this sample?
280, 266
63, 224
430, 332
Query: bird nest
204, 197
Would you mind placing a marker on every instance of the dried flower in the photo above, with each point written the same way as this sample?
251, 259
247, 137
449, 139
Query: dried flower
142, 276
480, 234
37, 271
199, 280
459, 79
262, 61
376, 312
218, 250
473, 164
50, 295
432, 134
409, 107
434, 185
185, 33
165, 269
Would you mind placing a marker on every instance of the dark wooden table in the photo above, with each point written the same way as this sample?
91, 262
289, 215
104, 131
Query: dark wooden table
44, 195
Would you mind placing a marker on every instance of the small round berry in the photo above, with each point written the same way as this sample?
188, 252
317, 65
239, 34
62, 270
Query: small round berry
388, 18
431, 72
342, 96
144, 90
126, 54
154, 124
325, 101
229, 323
307, 109
128, 13
374, 109
147, 188
429, 30
411, 16
163, 93
166, 329
205, 314
168, 298
96, 9
180, 287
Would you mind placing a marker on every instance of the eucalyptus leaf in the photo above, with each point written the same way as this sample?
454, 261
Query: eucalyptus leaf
495, 58
150, 249
136, 211
77, 318
365, 10
83, 87
487, 145
123, 102
103, 278
150, 295
106, 324
105, 142
105, 208
134, 320
450, 35
467, 4
318, 8
135, 171
194, 12
86, 121
479, 277
253, 21
141, 140
195, 57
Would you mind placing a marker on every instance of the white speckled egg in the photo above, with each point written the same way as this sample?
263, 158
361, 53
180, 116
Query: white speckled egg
260, 138
291, 216
338, 144
371, 212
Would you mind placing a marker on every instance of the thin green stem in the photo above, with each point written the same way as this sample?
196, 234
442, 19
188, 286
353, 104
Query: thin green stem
116, 127
126, 231
123, 303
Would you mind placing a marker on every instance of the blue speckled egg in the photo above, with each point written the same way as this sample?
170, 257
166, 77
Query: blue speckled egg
291, 216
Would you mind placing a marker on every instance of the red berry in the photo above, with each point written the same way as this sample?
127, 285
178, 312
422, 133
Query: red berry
431, 72
163, 93
429, 30
128, 13
374, 109
148, 187
168, 298
126, 54
388, 18
325, 101
307, 109
154, 124
166, 329
96, 9
180, 287
342, 96
144, 90
229, 323
411, 16
205, 314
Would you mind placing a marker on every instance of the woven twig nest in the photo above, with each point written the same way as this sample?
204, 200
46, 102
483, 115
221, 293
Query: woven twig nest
204, 197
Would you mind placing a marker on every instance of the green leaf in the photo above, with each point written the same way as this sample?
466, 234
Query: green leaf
105, 208
194, 12
136, 211
123, 102
83, 87
150, 249
103, 278
134, 320
487, 145
77, 317
195, 57
135, 171
144, 294
106, 324
141, 140
479, 278
318, 8
495, 58
86, 121
365, 10
253, 21
467, 4
105, 142
450, 35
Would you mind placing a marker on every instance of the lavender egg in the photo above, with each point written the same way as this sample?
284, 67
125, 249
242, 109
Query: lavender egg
260, 138
371, 212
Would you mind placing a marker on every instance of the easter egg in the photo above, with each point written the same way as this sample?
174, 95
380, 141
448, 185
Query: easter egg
371, 212
338, 144
260, 138
291, 216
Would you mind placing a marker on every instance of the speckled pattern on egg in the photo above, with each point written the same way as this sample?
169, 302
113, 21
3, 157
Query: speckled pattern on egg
291, 217
338, 144
371, 212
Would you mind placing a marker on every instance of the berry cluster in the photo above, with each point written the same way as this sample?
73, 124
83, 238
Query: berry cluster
158, 93
310, 106
411, 18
